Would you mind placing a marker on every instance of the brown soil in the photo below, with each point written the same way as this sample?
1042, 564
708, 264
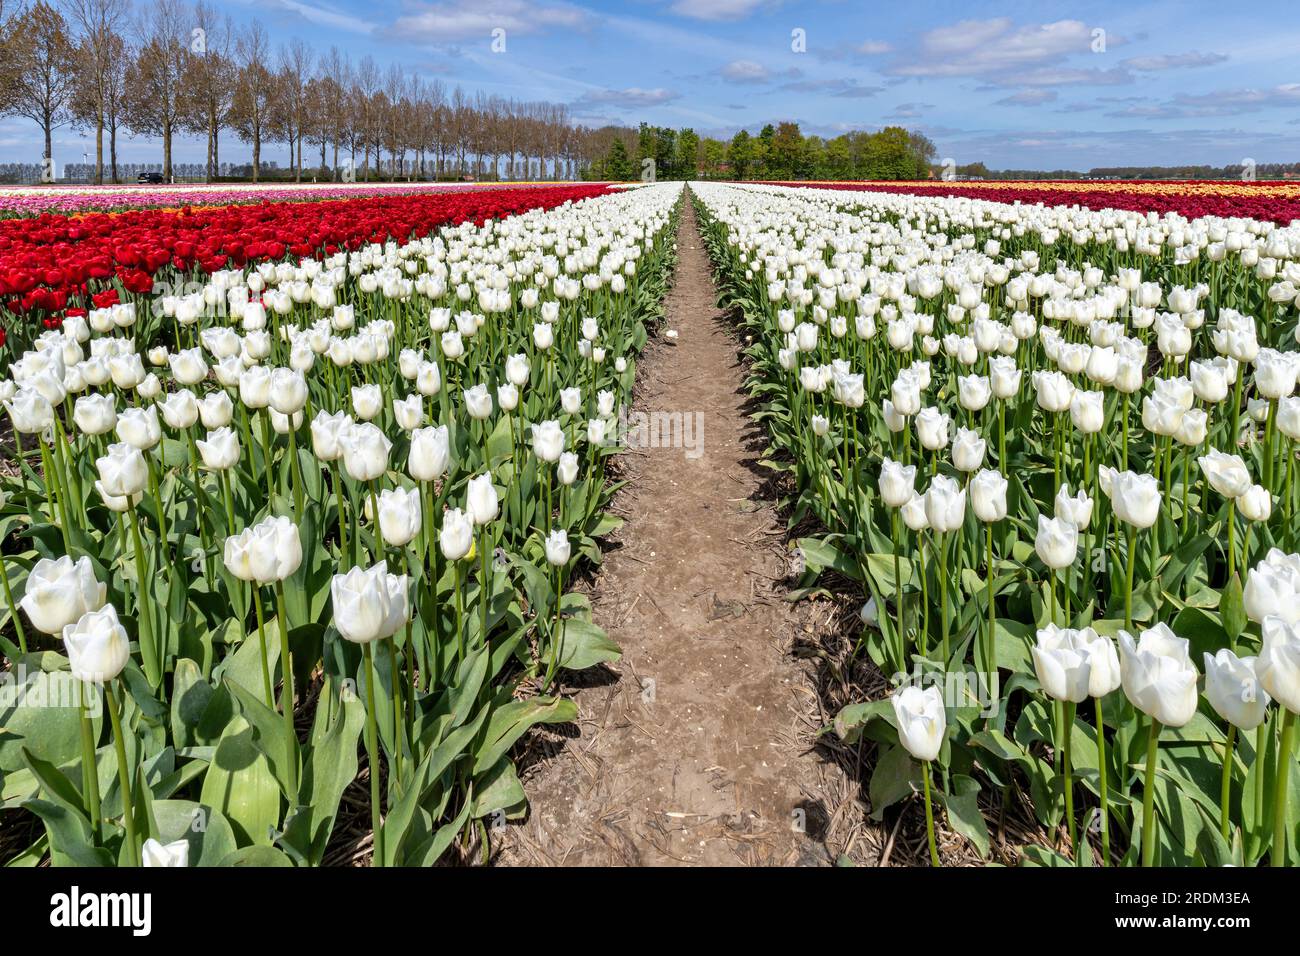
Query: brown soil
697, 747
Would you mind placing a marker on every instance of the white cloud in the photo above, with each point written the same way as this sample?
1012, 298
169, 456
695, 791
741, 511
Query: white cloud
1224, 102
1028, 98
326, 17
634, 97
715, 9
1173, 61
847, 88
873, 47
1063, 76
983, 47
909, 110
746, 71
471, 19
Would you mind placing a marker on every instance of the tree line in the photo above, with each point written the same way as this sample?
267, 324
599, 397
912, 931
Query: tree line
166, 68
777, 152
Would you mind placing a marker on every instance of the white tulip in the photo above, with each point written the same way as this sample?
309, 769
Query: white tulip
896, 483
482, 502
59, 591
921, 720
220, 450
430, 453
97, 645
1233, 689
1158, 676
1278, 664
456, 537
1057, 542
399, 516
988, 495
1062, 663
365, 451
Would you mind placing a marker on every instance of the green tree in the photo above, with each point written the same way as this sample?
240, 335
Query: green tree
784, 151
715, 154
889, 155
618, 167
645, 147
838, 160
666, 153
812, 159
763, 152
687, 161
740, 154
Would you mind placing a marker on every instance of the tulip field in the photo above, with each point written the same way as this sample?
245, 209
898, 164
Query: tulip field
300, 485
298, 491
1055, 447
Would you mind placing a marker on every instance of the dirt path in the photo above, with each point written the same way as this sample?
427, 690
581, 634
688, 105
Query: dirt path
695, 748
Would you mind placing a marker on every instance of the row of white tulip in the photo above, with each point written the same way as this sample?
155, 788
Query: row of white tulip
349, 436
998, 353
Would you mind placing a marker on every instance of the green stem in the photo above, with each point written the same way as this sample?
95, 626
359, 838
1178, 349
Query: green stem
557, 632
1067, 735
1225, 783
1128, 579
1277, 856
929, 814
372, 751
123, 775
155, 489
990, 651
267, 444
224, 477
13, 608
1261, 742
378, 542
267, 688
460, 612
1101, 787
295, 471
89, 765
1124, 445
345, 543
149, 651
486, 585
943, 594
898, 594
287, 691
398, 708
58, 514
1149, 796
1232, 525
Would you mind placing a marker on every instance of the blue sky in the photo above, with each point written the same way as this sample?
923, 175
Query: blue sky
1022, 85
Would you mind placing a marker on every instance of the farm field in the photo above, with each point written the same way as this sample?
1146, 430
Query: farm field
35, 200
972, 540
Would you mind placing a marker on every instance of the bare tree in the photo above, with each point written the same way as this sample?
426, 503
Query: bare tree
366, 89
254, 86
154, 78
336, 78
98, 23
207, 94
115, 104
9, 63
46, 71
296, 63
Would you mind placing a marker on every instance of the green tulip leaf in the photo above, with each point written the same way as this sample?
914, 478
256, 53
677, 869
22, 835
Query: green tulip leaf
1232, 609
964, 812
584, 645
240, 784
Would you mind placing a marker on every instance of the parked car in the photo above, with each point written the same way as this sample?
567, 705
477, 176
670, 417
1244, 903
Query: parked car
150, 179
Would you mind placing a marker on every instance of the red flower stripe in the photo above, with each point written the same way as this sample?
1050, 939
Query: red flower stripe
1269, 202
51, 263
